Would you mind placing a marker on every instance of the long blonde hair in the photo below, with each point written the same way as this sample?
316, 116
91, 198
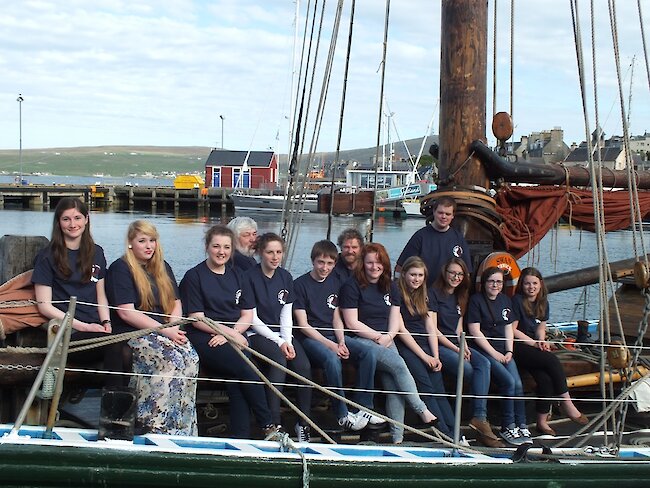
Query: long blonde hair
415, 300
154, 268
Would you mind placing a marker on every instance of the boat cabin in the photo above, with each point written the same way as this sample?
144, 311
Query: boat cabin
241, 169
362, 175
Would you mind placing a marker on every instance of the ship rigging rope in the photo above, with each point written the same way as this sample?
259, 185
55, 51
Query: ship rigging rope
303, 113
645, 50
335, 164
371, 227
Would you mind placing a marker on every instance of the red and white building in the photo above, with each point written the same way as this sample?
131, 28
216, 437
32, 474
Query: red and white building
241, 169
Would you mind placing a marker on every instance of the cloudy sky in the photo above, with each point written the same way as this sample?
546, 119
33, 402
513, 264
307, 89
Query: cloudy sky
162, 72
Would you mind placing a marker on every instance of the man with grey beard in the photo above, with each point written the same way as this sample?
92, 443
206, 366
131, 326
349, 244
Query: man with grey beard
245, 230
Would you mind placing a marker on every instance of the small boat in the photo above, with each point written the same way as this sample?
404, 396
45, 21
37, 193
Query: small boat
412, 207
272, 203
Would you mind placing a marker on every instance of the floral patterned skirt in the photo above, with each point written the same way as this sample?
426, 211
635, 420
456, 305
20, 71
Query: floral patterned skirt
166, 384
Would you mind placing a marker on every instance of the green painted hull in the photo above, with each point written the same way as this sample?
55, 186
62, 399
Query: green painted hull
45, 466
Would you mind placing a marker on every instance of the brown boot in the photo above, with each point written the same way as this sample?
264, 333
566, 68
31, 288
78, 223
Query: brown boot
489, 442
483, 428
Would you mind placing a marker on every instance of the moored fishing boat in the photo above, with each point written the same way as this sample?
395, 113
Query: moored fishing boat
272, 203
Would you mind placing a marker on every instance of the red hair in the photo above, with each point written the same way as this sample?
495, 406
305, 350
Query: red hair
382, 256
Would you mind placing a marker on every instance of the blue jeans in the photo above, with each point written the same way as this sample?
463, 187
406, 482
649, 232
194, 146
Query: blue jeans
476, 372
506, 376
395, 376
431, 386
321, 356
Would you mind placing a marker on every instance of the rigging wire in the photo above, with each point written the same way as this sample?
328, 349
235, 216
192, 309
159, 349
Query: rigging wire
342, 112
645, 50
371, 227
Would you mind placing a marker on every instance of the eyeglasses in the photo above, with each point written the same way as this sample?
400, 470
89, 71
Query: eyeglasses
455, 274
495, 282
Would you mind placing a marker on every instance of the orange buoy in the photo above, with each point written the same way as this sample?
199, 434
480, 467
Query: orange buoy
508, 264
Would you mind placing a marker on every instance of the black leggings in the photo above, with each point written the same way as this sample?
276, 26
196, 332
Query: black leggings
116, 357
300, 364
546, 370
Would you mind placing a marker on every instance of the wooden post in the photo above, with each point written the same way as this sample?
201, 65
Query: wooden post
463, 75
17, 254
463, 71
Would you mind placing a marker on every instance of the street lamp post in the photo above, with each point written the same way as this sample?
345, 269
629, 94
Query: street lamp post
222, 119
20, 136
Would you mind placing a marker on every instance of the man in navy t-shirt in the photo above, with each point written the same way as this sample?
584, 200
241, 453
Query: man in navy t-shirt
317, 316
245, 230
438, 242
350, 243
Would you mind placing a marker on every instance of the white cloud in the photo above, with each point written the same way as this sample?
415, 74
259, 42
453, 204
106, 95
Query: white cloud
161, 72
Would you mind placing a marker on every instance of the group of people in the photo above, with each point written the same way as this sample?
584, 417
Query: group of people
347, 308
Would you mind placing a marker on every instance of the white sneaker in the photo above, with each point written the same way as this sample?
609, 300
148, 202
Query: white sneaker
372, 419
353, 421
526, 435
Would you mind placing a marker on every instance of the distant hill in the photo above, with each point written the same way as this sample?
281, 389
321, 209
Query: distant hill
108, 160
125, 160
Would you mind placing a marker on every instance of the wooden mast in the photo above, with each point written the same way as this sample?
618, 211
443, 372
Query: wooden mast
463, 79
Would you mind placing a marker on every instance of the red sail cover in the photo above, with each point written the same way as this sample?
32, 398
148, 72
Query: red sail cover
529, 212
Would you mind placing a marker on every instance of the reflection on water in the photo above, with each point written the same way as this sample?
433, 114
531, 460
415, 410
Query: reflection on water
182, 241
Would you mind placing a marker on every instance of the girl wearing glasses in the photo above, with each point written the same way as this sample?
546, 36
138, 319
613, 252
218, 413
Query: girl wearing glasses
533, 351
489, 320
448, 299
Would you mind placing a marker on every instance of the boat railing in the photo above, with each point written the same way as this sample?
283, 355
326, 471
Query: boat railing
60, 348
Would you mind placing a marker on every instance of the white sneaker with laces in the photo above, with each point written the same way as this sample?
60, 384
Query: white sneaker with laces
526, 435
372, 419
353, 421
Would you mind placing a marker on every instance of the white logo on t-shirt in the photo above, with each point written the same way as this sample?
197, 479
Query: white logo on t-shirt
387, 299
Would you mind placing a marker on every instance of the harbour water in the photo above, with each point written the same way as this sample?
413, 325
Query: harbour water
562, 250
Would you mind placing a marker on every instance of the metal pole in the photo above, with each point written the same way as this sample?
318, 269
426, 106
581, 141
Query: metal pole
58, 387
41, 374
222, 119
459, 387
20, 136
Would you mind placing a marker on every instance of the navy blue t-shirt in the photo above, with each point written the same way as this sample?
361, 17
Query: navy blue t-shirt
218, 296
436, 248
318, 299
527, 324
341, 270
269, 295
416, 325
121, 289
494, 319
46, 273
372, 304
447, 312
243, 262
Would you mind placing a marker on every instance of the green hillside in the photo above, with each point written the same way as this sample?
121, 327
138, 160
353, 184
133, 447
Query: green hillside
108, 160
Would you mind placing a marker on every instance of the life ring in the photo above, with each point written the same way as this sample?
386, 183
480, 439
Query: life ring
505, 262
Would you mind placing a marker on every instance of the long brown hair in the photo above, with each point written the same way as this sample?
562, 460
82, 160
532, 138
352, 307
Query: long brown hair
462, 290
86, 256
415, 300
154, 268
538, 308
360, 271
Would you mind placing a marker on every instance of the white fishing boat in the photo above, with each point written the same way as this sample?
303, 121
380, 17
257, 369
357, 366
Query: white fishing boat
272, 203
412, 207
